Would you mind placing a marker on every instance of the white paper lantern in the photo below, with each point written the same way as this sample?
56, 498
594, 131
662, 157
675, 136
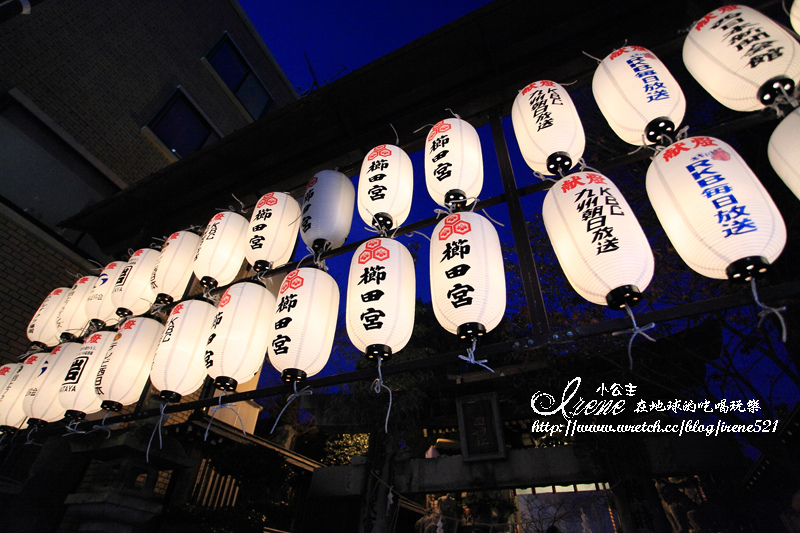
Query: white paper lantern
72, 318
133, 294
303, 325
100, 307
174, 268
237, 341
638, 96
272, 234
380, 298
741, 57
327, 210
385, 187
11, 413
597, 239
179, 367
794, 16
547, 127
42, 329
468, 284
7, 372
783, 149
40, 403
453, 162
126, 364
222, 250
714, 210
77, 394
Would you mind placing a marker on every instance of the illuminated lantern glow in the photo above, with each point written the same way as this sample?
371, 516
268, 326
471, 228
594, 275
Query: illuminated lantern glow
132, 293
100, 307
782, 150
453, 163
11, 413
327, 210
794, 16
179, 367
271, 238
302, 327
638, 96
547, 127
742, 58
7, 373
72, 317
40, 403
42, 329
175, 266
222, 250
718, 216
380, 298
468, 284
125, 366
237, 341
597, 239
385, 187
77, 394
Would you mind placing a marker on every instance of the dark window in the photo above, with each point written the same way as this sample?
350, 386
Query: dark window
235, 71
181, 126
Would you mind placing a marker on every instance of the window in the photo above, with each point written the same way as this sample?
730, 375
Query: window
235, 72
181, 126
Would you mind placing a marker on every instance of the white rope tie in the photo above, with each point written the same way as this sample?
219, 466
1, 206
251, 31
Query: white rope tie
439, 212
636, 330
31, 432
376, 388
213, 411
157, 428
306, 391
470, 357
589, 55
422, 127
104, 427
453, 112
767, 310
72, 428
396, 136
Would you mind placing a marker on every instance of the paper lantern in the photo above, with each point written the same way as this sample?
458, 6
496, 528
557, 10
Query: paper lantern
42, 329
783, 149
237, 341
302, 328
222, 250
72, 318
714, 210
453, 162
40, 403
597, 239
794, 16
77, 394
7, 372
126, 364
385, 187
11, 413
741, 57
638, 95
272, 235
468, 284
100, 307
547, 127
175, 265
327, 210
380, 298
132, 293
179, 367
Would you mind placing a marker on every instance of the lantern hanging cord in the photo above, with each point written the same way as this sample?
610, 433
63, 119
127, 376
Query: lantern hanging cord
418, 233
104, 427
213, 411
453, 112
470, 357
486, 214
241, 205
439, 212
379, 230
96, 263
396, 136
73, 274
589, 55
160, 422
542, 177
767, 310
584, 167
2, 438
306, 391
376, 388
636, 330
31, 433
130, 252
72, 428
422, 127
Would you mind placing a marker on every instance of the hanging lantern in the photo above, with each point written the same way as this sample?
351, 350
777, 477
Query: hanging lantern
7, 373
302, 328
380, 298
72, 318
742, 58
222, 250
327, 210
126, 364
179, 367
468, 283
175, 265
237, 342
385, 187
453, 163
714, 210
638, 95
597, 239
782, 149
547, 127
100, 307
40, 403
11, 413
271, 238
42, 329
77, 394
132, 294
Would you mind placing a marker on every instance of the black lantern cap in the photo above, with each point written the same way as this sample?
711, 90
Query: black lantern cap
291, 375
320, 245
97, 324
36, 423
746, 268
8, 430
164, 299
456, 200
169, 396
471, 330
559, 163
772, 89
262, 266
375, 351
67, 337
382, 221
624, 296
225, 383
73, 415
122, 312
110, 405
208, 282
657, 128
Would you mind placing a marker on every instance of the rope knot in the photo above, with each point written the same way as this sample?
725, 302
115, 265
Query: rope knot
470, 357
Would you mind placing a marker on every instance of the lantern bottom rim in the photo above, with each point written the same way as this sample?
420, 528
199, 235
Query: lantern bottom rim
774, 88
382, 221
97, 324
164, 299
170, 396
262, 265
291, 375
8, 429
123, 312
747, 268
456, 200
208, 282
67, 337
624, 296
559, 163
110, 405
656, 130
471, 330
375, 351
74, 415
36, 422
225, 383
